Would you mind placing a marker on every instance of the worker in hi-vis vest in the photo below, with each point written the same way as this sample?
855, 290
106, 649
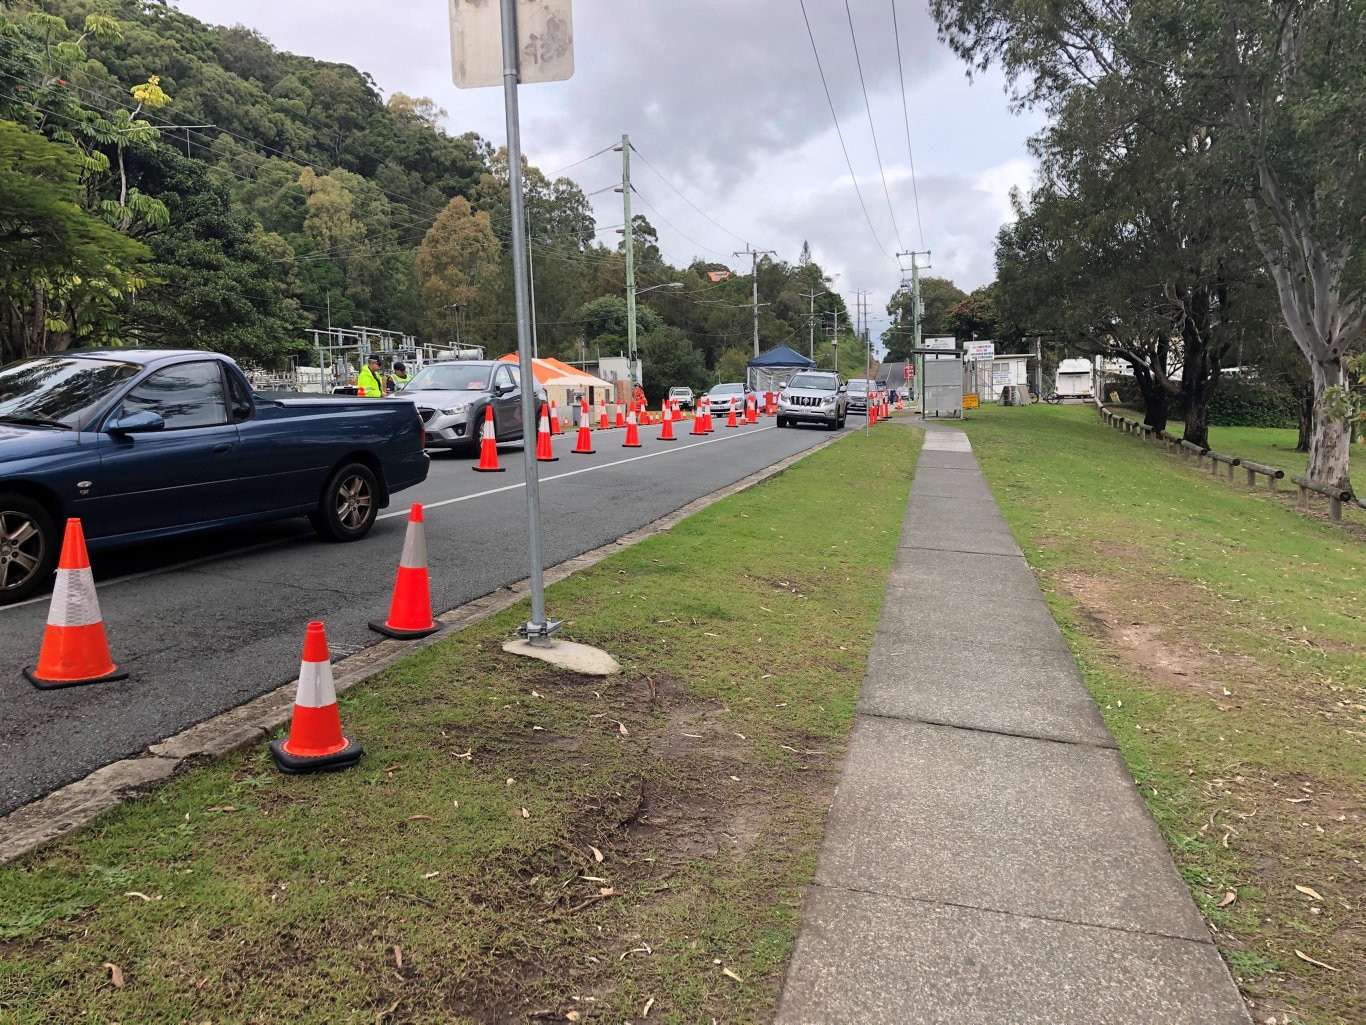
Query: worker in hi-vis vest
369, 381
400, 376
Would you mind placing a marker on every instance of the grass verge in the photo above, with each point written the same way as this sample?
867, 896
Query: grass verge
519, 843
1221, 633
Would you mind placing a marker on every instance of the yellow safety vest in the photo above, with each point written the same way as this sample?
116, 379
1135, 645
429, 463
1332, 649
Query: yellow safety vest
368, 383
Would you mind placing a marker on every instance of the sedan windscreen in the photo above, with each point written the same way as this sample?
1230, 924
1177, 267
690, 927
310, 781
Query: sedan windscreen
451, 377
59, 389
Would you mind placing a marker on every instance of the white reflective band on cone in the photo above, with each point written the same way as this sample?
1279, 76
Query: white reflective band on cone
315, 685
414, 547
73, 599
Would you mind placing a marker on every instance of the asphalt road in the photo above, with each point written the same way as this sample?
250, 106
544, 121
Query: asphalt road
207, 624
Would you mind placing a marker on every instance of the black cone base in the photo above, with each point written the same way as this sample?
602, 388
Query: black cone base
403, 635
30, 674
297, 765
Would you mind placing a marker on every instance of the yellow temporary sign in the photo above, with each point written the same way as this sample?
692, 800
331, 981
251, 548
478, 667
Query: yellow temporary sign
969, 401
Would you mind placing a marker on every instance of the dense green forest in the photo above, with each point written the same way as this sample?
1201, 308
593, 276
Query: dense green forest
167, 182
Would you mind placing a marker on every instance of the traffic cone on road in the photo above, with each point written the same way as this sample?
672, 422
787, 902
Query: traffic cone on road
603, 422
555, 427
752, 409
620, 420
488, 446
75, 650
584, 444
544, 453
410, 612
666, 432
316, 742
731, 421
699, 419
706, 417
632, 432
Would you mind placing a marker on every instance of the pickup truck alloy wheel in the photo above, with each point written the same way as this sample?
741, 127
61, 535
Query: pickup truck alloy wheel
28, 547
349, 504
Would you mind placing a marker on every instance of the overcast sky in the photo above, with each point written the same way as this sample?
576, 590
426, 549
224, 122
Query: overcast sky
724, 101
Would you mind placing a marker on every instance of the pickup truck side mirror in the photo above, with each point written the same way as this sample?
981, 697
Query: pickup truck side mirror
136, 423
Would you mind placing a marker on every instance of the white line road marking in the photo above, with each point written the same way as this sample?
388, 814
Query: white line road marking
572, 473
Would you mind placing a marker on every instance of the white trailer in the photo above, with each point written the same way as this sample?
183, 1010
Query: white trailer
1074, 379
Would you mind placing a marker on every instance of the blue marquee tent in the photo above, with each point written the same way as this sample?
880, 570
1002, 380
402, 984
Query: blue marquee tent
780, 356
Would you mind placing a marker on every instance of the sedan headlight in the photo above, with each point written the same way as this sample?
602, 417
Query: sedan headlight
464, 407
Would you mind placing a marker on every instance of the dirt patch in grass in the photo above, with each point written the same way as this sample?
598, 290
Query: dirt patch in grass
1106, 613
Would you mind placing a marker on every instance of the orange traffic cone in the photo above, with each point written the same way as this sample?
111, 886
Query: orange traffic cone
555, 419
584, 444
488, 446
632, 433
872, 412
699, 419
666, 432
603, 422
621, 417
706, 417
730, 420
75, 650
752, 409
410, 612
315, 743
544, 453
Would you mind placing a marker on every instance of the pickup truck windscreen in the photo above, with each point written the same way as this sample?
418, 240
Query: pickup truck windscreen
58, 390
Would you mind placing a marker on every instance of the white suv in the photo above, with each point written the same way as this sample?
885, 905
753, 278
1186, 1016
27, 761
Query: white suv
814, 397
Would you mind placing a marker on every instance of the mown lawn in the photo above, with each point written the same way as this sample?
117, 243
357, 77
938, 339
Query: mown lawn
1224, 636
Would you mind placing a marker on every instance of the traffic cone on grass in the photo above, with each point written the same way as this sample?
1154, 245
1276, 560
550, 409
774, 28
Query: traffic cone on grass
544, 453
488, 446
410, 612
316, 742
75, 650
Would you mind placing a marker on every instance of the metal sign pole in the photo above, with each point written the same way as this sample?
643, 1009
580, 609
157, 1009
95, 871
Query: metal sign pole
538, 628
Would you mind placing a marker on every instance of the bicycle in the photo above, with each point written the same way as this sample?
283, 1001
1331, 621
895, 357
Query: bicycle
1052, 398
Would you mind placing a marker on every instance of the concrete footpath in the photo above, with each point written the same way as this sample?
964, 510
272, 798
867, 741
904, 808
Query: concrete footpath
988, 859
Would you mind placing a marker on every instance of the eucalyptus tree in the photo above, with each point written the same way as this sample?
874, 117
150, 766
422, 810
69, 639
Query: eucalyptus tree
1278, 86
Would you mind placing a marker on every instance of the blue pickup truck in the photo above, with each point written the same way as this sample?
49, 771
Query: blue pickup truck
144, 444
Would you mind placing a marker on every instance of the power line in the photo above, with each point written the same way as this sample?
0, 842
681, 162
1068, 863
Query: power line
858, 63
685, 198
906, 116
853, 177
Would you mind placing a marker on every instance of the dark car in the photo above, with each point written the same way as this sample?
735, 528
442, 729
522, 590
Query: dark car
452, 398
142, 444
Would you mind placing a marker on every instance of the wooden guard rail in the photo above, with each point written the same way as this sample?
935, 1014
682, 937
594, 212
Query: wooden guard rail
1335, 494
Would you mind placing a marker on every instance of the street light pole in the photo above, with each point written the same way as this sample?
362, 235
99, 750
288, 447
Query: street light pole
811, 321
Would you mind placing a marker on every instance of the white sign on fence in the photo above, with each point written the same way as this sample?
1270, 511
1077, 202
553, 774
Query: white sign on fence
1000, 375
981, 350
545, 42
939, 343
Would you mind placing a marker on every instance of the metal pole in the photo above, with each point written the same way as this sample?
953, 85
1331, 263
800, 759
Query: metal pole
811, 322
538, 628
630, 261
